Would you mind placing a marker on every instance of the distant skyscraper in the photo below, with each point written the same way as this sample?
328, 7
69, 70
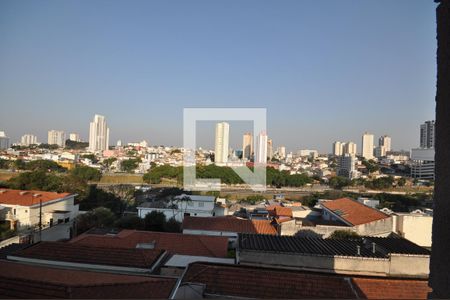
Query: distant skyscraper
337, 148
281, 151
119, 143
261, 148
367, 145
349, 148
427, 134
28, 139
56, 137
4, 141
269, 148
98, 134
247, 146
74, 137
385, 141
222, 142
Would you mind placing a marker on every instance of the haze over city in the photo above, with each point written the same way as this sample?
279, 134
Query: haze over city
325, 71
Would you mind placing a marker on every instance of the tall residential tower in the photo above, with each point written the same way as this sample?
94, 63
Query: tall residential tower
222, 142
98, 134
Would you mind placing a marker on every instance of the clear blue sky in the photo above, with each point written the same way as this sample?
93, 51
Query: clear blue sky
325, 70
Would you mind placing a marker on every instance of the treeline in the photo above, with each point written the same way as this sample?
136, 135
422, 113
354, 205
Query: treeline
227, 175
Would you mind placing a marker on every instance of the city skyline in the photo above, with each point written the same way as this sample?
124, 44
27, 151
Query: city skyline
325, 80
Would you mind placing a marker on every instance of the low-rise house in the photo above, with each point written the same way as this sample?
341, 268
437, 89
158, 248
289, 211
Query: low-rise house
26, 208
415, 226
181, 249
82, 257
26, 281
371, 256
184, 205
228, 227
207, 280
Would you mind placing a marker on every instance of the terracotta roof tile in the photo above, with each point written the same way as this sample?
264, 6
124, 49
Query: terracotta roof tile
354, 212
28, 198
233, 280
59, 251
174, 243
31, 281
229, 224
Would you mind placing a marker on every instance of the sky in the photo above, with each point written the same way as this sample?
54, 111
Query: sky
325, 70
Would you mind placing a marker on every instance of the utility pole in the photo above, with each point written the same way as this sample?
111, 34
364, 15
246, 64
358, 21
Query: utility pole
40, 220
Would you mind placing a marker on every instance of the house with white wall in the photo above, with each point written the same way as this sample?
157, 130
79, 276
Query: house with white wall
184, 205
23, 209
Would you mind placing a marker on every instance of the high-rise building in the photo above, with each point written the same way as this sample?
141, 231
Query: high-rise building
56, 137
380, 151
74, 137
222, 142
349, 148
385, 141
337, 148
98, 134
281, 151
367, 146
269, 148
261, 148
28, 139
4, 141
427, 134
247, 146
346, 166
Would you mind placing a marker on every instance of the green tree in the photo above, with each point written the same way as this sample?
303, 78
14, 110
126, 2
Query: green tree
86, 173
130, 222
129, 165
37, 180
73, 145
44, 165
172, 225
401, 181
155, 221
99, 217
339, 182
4, 164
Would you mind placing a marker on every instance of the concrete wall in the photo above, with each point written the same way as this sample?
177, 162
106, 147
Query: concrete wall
414, 227
295, 227
375, 228
397, 265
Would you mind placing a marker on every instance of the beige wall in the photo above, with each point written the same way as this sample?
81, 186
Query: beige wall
414, 227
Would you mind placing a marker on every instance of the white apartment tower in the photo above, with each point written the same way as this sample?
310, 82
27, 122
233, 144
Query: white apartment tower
4, 141
98, 134
427, 134
337, 149
385, 141
56, 137
261, 148
349, 148
222, 142
367, 145
28, 139
247, 146
346, 166
74, 137
281, 151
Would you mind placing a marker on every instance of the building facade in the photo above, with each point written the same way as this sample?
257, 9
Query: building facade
4, 141
247, 146
261, 148
427, 134
222, 142
98, 134
74, 137
367, 146
346, 166
56, 137
28, 139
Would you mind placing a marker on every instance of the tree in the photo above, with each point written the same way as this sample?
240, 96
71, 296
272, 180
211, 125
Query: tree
343, 234
339, 182
4, 164
36, 180
130, 165
370, 165
76, 145
86, 173
44, 165
130, 222
107, 162
172, 225
99, 198
125, 192
155, 221
401, 181
99, 217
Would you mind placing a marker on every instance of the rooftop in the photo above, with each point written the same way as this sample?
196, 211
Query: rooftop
28, 198
329, 247
59, 251
174, 243
30, 281
232, 280
229, 224
353, 212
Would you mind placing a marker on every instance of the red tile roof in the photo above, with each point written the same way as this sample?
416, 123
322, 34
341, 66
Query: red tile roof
28, 198
280, 211
229, 224
31, 281
174, 243
233, 280
375, 288
59, 251
354, 212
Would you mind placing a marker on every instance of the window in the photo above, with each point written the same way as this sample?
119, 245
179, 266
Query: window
66, 220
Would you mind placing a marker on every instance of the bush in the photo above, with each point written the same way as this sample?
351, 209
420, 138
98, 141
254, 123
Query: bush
343, 234
100, 217
155, 221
